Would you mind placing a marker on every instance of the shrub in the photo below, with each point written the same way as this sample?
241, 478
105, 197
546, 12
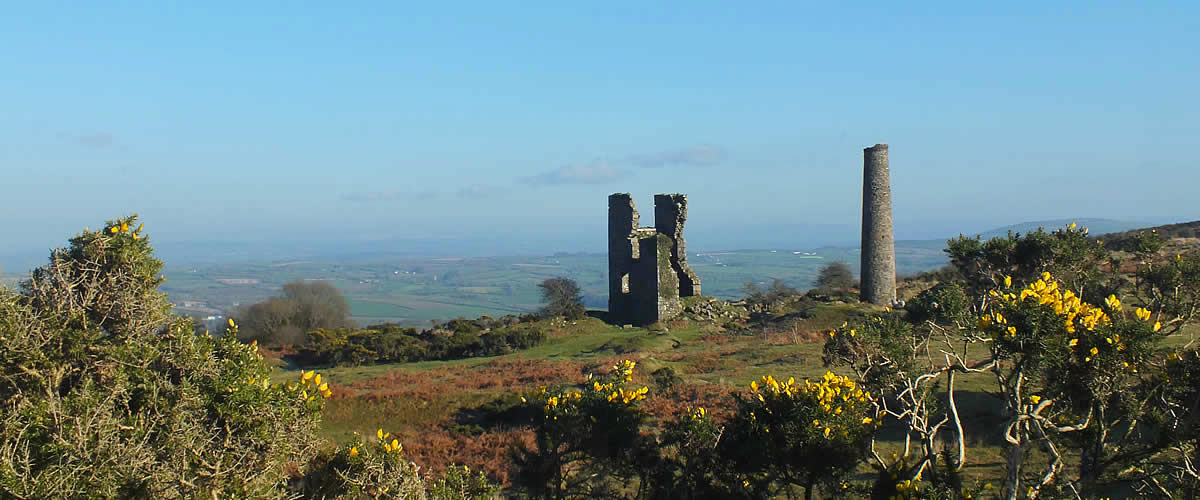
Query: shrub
107, 395
388, 343
808, 434
687, 463
359, 469
776, 291
596, 426
459, 483
945, 303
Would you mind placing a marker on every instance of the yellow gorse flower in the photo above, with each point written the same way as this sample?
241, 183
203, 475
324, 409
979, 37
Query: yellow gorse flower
1048, 292
625, 369
628, 396
556, 403
311, 380
833, 394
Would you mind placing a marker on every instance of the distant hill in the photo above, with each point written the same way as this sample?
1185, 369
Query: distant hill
1123, 240
1096, 227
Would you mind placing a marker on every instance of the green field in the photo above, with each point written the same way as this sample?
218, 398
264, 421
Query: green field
413, 291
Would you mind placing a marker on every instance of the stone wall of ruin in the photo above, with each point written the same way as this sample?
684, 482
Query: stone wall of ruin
647, 267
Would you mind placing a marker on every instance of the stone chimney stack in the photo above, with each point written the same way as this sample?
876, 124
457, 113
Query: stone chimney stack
878, 247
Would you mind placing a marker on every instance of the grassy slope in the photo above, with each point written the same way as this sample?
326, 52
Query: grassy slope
425, 402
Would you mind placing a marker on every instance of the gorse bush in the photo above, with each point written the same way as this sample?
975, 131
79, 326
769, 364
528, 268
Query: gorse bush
362, 469
807, 434
1066, 253
105, 394
1083, 375
596, 426
945, 303
592, 441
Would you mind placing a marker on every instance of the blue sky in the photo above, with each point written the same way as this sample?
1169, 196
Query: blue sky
250, 121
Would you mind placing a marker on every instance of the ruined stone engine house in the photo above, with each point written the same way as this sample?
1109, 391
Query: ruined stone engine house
647, 266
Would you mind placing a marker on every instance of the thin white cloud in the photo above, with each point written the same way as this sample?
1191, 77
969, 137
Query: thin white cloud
93, 140
699, 156
591, 173
479, 191
386, 196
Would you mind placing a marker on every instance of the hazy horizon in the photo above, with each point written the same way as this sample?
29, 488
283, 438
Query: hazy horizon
508, 125
586, 239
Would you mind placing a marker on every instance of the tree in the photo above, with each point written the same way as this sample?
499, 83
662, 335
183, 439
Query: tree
305, 306
318, 304
562, 298
835, 275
